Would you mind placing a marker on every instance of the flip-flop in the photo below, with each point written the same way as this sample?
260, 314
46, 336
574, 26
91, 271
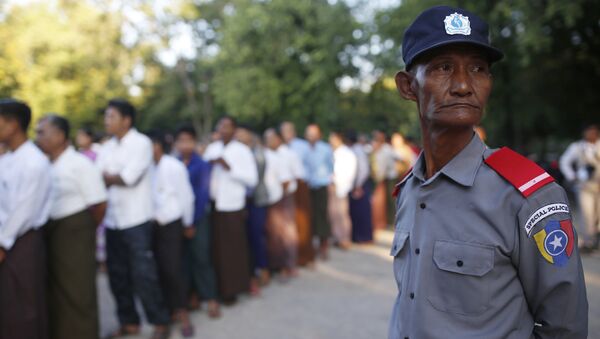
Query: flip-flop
123, 332
187, 332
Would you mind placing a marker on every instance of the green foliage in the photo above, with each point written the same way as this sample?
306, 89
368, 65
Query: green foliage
547, 85
280, 60
64, 58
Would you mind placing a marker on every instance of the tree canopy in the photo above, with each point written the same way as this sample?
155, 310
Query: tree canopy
265, 61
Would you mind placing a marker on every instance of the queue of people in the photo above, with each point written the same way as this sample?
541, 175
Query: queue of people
580, 165
172, 227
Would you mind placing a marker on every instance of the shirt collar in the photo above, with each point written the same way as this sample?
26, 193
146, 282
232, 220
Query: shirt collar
66, 153
462, 168
127, 135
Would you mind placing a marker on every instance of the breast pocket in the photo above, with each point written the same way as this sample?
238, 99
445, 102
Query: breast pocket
399, 252
460, 277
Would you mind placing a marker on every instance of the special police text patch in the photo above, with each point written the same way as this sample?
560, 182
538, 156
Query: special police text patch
542, 213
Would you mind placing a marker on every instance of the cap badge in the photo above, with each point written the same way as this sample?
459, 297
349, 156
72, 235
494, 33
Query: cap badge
457, 24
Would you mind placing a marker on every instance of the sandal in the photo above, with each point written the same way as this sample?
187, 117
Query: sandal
125, 331
160, 334
187, 332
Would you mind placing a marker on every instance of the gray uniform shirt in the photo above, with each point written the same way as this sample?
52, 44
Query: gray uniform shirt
465, 265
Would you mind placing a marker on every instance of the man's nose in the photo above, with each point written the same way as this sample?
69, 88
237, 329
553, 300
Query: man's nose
461, 83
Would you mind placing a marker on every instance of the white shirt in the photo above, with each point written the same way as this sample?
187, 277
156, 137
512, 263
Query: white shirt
76, 184
228, 188
277, 172
580, 153
294, 165
385, 163
172, 192
344, 170
362, 169
130, 158
24, 192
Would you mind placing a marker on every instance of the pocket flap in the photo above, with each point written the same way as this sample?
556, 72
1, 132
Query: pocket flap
463, 258
398, 244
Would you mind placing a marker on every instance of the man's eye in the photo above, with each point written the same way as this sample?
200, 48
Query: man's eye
479, 69
444, 67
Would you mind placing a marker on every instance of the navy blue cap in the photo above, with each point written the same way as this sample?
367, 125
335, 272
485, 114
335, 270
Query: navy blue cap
443, 25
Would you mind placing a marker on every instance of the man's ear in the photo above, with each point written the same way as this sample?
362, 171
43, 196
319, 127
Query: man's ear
404, 81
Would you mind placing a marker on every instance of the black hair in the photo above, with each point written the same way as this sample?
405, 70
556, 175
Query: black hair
60, 123
158, 137
87, 130
351, 136
230, 118
124, 107
186, 129
247, 127
17, 110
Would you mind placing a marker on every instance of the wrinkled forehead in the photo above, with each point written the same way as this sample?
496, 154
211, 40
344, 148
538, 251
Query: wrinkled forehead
459, 51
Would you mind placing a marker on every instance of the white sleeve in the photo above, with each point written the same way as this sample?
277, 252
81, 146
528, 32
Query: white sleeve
140, 159
90, 183
241, 166
186, 194
567, 160
32, 191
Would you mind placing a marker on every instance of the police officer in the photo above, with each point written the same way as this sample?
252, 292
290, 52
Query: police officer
484, 246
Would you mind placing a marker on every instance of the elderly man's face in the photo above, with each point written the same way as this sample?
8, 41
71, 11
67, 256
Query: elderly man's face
450, 85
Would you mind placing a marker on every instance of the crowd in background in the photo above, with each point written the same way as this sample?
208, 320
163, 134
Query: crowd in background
174, 221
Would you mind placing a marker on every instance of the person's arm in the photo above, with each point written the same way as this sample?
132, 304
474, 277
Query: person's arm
567, 160
90, 184
32, 191
186, 195
550, 270
242, 167
140, 159
98, 212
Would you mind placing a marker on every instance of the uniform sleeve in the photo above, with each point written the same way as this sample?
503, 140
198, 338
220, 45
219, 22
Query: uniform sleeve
550, 267
90, 183
140, 159
30, 196
566, 162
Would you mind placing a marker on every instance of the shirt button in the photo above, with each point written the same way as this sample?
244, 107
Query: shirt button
412, 295
423, 205
417, 251
459, 263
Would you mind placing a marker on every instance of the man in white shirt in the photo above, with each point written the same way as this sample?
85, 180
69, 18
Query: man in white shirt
282, 235
301, 147
385, 175
125, 162
24, 208
580, 164
78, 203
360, 198
173, 212
344, 176
233, 174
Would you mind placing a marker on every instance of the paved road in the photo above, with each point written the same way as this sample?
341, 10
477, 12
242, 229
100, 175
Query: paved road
350, 296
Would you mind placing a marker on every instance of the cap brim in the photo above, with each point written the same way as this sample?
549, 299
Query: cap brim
494, 53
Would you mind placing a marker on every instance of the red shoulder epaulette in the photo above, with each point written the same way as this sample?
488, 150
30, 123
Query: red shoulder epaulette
521, 172
396, 190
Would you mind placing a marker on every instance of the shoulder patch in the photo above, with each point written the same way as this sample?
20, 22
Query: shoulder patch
524, 174
398, 186
556, 241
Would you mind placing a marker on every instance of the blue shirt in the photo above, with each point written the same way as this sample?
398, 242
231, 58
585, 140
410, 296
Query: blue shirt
199, 172
319, 165
302, 148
